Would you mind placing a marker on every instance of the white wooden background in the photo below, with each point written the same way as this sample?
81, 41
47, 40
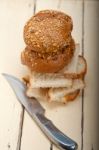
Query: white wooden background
79, 119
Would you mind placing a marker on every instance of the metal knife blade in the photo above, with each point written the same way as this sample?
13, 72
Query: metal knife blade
19, 88
36, 111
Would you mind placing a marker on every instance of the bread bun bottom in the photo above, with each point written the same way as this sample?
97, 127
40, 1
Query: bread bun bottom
48, 62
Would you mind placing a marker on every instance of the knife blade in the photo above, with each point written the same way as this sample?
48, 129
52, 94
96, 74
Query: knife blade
36, 111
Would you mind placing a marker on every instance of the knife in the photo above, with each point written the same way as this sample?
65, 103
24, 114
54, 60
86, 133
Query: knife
36, 111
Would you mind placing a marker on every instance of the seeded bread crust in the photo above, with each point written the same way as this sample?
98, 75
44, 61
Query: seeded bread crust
48, 31
48, 62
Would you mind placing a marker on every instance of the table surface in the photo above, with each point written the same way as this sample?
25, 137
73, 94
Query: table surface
77, 119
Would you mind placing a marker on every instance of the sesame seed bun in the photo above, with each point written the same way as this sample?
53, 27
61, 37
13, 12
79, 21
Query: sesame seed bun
48, 31
48, 62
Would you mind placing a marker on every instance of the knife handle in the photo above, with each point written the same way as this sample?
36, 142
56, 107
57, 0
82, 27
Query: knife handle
55, 135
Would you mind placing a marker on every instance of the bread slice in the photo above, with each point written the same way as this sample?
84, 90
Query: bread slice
72, 96
81, 69
42, 94
59, 94
61, 79
69, 97
47, 80
72, 66
38, 93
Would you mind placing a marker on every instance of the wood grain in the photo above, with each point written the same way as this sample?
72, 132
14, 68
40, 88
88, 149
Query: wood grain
91, 103
48, 4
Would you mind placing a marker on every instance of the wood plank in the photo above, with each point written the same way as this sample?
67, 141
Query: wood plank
13, 15
68, 118
48, 4
91, 103
74, 9
37, 140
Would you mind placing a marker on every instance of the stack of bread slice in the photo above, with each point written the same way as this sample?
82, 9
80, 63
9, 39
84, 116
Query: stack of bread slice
63, 86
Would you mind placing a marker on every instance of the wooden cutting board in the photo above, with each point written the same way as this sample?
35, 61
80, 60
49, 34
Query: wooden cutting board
77, 119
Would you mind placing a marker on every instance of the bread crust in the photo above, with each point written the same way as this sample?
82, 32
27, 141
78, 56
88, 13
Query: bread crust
78, 75
72, 96
49, 62
67, 98
48, 31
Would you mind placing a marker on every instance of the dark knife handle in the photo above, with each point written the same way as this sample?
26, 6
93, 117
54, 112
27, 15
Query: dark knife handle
55, 135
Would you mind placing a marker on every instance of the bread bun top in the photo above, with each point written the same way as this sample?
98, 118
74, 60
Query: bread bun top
48, 31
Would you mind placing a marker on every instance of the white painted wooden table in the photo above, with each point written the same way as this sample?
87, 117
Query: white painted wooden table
79, 119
